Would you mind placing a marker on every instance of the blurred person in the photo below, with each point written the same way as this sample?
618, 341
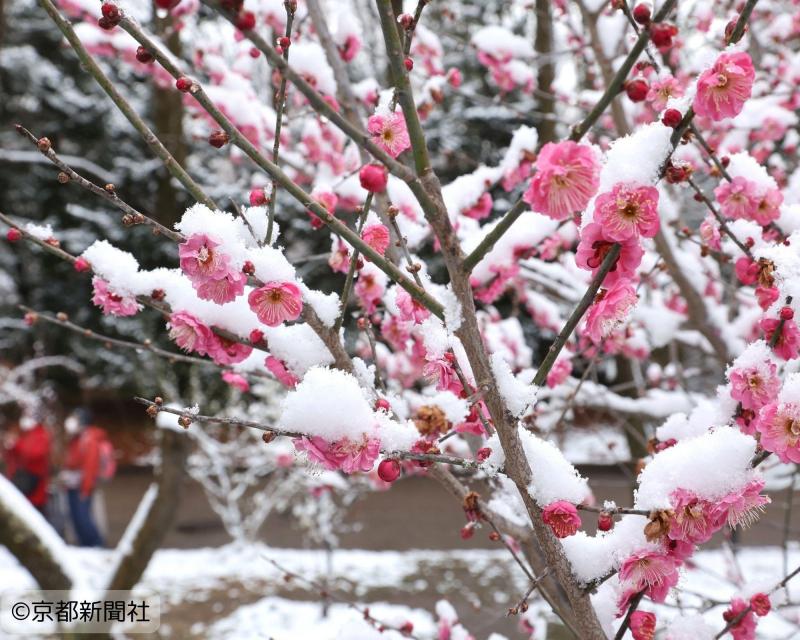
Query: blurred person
27, 454
89, 458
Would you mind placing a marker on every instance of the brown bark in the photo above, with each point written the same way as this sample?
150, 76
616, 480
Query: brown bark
159, 518
543, 44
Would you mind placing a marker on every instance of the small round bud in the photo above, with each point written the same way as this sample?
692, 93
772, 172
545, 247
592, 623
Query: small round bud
109, 188
373, 177
406, 20
152, 410
641, 13
144, 56
158, 400
267, 437
128, 220
44, 144
185, 421
258, 197
786, 313
467, 531
382, 404
605, 521
494, 536
637, 90
110, 11
483, 453
63, 317
30, 318
661, 34
81, 264
248, 268
256, 336
183, 84
284, 42
389, 470
671, 118
167, 4
158, 294
246, 21
13, 235
409, 64
62, 177
218, 139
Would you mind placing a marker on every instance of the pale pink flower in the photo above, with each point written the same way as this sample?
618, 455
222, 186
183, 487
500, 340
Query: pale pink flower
745, 628
237, 381
410, 309
655, 572
756, 385
661, 90
494, 288
628, 211
743, 507
111, 303
369, 289
441, 372
562, 517
738, 198
226, 352
567, 176
349, 48
189, 333
559, 372
610, 309
328, 200
723, 89
787, 345
201, 261
226, 289
694, 520
768, 208
779, 426
481, 208
376, 236
643, 625
710, 234
339, 259
389, 132
278, 368
595, 245
344, 454
276, 302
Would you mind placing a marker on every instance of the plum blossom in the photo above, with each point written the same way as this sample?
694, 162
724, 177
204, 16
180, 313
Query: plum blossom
226, 289
595, 245
723, 89
481, 208
235, 380
562, 517
755, 385
343, 454
567, 176
389, 132
779, 426
743, 507
559, 372
111, 303
643, 625
787, 344
610, 308
628, 211
694, 520
189, 333
376, 236
276, 302
745, 628
225, 351
655, 572
744, 199
277, 368
410, 309
201, 261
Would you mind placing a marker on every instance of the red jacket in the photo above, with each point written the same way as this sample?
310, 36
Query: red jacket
31, 453
83, 454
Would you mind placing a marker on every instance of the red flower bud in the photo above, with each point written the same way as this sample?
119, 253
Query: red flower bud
248, 268
110, 12
409, 63
671, 118
641, 13
373, 177
637, 90
483, 453
284, 42
183, 84
256, 336
246, 21
81, 264
13, 235
167, 4
389, 470
787, 313
144, 56
605, 521
382, 404
257, 197
218, 139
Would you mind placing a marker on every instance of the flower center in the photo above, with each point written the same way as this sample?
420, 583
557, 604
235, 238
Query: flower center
275, 296
628, 210
204, 255
722, 80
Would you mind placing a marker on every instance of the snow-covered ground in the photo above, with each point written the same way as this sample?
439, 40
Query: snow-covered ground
237, 591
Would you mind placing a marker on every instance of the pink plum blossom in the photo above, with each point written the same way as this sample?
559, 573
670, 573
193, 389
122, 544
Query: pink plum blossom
643, 625
567, 176
787, 344
276, 302
235, 380
278, 368
562, 517
377, 237
201, 261
694, 520
225, 351
224, 290
410, 309
628, 211
779, 426
559, 372
610, 309
745, 627
655, 572
189, 333
743, 507
723, 89
344, 454
595, 245
755, 385
111, 303
389, 132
